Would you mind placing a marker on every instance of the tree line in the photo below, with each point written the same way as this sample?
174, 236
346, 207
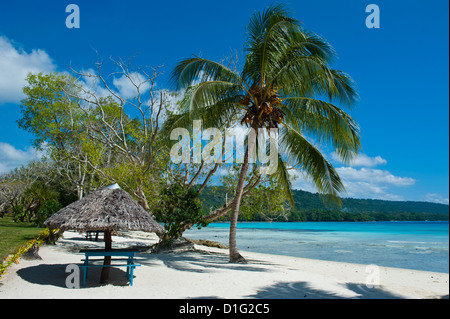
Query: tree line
267, 204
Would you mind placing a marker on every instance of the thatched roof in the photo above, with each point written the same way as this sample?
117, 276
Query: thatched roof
110, 208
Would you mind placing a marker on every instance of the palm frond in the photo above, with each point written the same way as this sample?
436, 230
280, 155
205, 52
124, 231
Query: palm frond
299, 150
300, 75
211, 101
299, 62
344, 86
267, 38
197, 70
260, 22
283, 178
326, 122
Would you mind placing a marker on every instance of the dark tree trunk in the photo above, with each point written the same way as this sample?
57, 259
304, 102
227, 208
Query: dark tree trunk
32, 253
107, 261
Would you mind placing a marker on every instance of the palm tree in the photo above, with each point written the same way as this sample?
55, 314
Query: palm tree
286, 82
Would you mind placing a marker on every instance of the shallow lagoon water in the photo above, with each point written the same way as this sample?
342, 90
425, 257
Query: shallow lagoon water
411, 245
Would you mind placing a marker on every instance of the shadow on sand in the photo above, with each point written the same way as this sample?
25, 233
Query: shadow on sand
302, 290
199, 261
202, 262
56, 275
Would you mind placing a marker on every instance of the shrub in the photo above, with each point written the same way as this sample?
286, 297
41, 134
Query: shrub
179, 208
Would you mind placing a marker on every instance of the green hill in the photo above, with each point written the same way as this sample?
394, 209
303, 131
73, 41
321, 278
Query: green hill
310, 207
305, 201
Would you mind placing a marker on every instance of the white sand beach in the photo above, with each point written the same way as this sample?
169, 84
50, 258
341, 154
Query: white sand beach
206, 273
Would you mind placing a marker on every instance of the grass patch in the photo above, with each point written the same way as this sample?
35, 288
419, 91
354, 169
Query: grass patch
13, 235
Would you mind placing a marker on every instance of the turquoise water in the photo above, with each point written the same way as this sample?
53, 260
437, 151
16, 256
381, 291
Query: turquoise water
412, 245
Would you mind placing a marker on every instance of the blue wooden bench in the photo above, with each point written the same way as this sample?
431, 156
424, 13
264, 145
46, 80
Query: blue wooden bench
128, 253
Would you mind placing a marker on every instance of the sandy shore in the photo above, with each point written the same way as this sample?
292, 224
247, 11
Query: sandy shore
206, 273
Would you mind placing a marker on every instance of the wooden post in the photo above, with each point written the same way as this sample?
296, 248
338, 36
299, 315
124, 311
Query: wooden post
107, 261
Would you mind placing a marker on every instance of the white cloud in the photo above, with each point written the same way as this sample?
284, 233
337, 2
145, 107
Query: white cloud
362, 182
437, 198
11, 157
372, 183
92, 85
374, 176
127, 86
121, 86
15, 64
368, 182
301, 181
362, 160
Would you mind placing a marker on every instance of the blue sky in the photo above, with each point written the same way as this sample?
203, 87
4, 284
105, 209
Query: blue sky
401, 71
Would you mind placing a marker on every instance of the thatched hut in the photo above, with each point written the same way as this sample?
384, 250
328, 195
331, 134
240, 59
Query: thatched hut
109, 209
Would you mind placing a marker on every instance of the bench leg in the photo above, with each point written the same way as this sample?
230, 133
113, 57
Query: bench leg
84, 275
129, 262
85, 270
131, 275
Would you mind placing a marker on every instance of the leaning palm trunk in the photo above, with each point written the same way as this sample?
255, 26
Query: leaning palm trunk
234, 254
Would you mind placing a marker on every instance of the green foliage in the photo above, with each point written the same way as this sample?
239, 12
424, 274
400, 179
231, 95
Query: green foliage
266, 202
29, 194
321, 215
46, 210
47, 112
179, 207
40, 193
19, 213
42, 202
93, 140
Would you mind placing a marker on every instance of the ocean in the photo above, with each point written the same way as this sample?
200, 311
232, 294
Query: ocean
405, 244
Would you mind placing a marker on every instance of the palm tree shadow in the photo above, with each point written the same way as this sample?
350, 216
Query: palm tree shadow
56, 275
198, 261
302, 290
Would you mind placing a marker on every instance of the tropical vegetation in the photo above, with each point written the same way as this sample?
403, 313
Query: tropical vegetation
93, 134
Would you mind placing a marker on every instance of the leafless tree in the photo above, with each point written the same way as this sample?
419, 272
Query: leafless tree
125, 142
